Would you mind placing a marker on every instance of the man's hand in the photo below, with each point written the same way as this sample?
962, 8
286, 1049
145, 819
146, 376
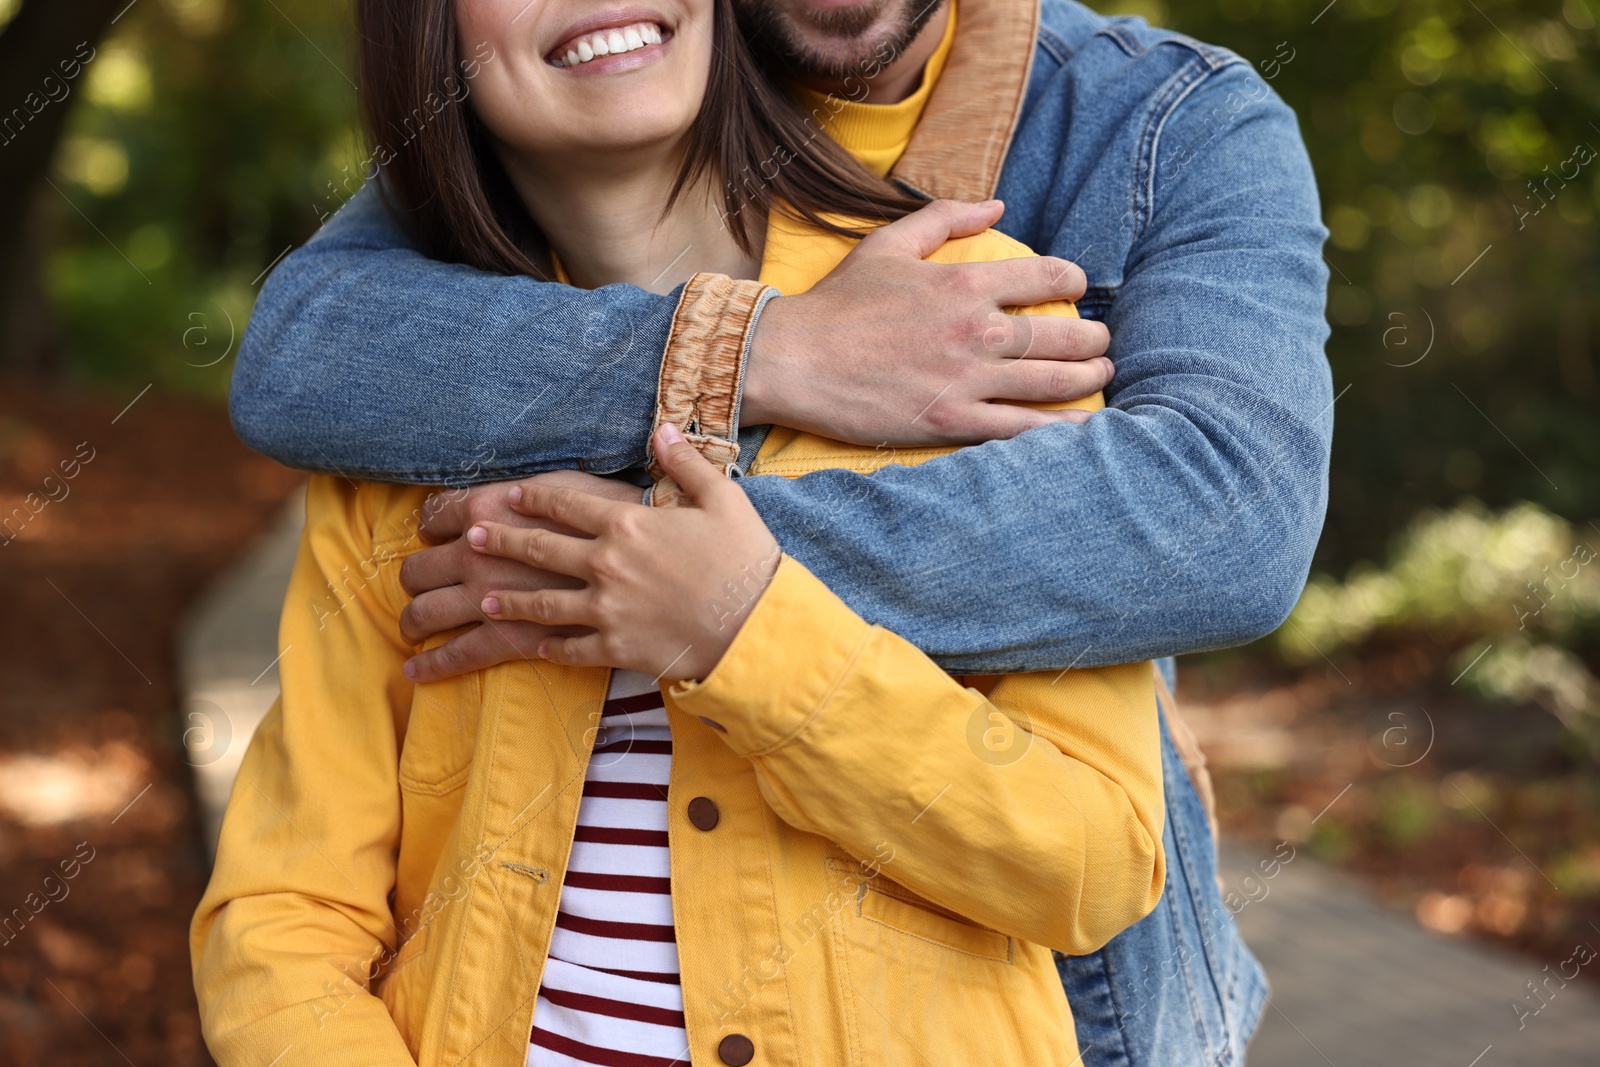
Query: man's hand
890, 349
450, 580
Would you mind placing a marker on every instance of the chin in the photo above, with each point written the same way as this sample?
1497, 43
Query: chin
833, 40
626, 124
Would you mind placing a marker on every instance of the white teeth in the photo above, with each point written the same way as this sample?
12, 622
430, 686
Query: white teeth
610, 43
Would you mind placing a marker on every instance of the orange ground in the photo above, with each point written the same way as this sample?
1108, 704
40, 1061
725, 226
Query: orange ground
90, 592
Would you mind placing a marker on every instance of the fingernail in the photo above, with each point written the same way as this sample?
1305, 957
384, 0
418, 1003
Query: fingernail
478, 536
491, 605
410, 670
543, 645
514, 494
670, 434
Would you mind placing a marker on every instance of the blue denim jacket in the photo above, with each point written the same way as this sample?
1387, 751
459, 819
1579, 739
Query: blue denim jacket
1180, 519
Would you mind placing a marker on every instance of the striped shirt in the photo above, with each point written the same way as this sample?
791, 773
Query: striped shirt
611, 993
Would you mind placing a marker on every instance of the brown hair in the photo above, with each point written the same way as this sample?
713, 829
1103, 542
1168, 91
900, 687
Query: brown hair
445, 186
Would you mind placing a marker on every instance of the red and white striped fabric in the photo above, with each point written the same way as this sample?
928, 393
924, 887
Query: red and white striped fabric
611, 993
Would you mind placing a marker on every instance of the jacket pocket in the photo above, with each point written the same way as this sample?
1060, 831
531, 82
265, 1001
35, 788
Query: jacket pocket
918, 983
440, 731
441, 734
894, 906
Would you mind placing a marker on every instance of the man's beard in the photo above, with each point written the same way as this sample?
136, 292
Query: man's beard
862, 38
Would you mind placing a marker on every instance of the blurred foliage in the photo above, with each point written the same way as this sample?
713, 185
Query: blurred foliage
1442, 130
199, 153
1518, 592
1443, 133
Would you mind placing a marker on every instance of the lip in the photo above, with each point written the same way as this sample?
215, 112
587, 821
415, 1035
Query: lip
611, 20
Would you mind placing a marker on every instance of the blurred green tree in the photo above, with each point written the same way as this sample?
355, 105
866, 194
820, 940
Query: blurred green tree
1455, 146
202, 150
43, 49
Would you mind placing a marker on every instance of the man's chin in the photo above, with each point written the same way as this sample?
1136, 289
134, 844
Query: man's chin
834, 41
842, 23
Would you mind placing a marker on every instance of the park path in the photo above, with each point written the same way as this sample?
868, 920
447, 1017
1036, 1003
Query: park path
228, 662
1357, 985
1354, 985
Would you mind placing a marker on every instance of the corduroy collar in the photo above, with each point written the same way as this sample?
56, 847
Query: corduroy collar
960, 144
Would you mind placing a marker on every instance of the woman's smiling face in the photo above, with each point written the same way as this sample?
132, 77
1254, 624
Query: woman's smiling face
579, 77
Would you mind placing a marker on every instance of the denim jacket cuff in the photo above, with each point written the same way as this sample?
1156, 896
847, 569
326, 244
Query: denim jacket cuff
702, 371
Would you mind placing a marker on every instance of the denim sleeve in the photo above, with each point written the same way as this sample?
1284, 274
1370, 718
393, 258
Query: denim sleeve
365, 358
1182, 518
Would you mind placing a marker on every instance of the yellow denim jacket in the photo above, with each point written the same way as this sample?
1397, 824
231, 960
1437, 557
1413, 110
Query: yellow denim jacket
897, 850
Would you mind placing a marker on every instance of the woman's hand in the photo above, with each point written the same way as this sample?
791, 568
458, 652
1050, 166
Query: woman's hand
666, 588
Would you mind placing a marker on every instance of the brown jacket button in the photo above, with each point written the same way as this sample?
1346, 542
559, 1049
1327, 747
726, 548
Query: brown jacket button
736, 1050
703, 814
